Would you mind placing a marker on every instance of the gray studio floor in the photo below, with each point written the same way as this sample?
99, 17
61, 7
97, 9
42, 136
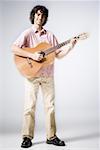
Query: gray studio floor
75, 140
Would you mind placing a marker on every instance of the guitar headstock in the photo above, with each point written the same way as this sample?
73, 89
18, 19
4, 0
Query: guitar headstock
82, 36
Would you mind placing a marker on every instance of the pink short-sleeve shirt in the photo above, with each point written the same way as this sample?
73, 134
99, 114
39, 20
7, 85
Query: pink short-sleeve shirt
31, 38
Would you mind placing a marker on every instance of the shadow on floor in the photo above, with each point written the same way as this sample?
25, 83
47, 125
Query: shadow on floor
75, 138
39, 142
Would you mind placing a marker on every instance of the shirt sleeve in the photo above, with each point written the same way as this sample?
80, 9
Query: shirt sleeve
21, 41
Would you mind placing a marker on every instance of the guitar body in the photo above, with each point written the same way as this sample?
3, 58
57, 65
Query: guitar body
30, 68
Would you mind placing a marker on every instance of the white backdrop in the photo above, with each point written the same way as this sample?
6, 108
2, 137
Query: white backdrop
76, 75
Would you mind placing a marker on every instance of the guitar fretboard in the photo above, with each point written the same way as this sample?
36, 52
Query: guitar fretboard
52, 49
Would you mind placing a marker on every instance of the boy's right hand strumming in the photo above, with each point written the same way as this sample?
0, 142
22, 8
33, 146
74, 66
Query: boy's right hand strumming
37, 56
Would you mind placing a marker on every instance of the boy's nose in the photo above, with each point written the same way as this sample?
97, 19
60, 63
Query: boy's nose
41, 16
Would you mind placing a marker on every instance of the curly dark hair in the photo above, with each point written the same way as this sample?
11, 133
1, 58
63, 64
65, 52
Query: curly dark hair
43, 10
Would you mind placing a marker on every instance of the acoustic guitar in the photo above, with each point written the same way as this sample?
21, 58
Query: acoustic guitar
29, 68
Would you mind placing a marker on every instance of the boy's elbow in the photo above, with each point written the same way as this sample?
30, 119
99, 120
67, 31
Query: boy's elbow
13, 48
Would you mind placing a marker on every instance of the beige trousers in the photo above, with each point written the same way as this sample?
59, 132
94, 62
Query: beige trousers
31, 90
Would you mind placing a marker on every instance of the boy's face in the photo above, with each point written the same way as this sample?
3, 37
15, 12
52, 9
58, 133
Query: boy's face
39, 18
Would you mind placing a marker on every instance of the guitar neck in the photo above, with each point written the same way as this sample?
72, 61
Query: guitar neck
81, 36
52, 49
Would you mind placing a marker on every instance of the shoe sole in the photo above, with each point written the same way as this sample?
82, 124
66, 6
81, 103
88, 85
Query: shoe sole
25, 146
54, 144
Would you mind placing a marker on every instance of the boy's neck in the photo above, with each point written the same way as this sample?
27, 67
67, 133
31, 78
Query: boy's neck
38, 28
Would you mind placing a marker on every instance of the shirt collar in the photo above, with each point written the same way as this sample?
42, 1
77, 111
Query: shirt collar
43, 31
